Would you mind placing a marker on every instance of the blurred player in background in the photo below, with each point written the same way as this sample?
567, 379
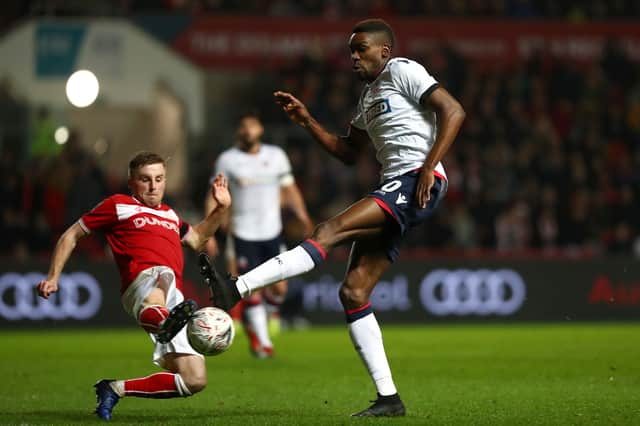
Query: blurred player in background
411, 121
261, 184
146, 238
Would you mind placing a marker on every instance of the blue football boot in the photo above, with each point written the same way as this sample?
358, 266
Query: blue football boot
107, 399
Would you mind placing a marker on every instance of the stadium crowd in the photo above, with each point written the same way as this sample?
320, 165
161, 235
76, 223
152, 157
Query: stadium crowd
574, 10
548, 160
512, 9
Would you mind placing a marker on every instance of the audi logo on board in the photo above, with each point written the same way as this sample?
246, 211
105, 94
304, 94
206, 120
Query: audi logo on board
442, 292
79, 297
472, 292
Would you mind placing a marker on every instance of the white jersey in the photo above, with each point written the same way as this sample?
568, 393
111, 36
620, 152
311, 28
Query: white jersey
254, 183
389, 110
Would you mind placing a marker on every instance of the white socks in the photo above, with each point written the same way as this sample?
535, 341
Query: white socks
285, 265
182, 388
257, 319
367, 339
118, 387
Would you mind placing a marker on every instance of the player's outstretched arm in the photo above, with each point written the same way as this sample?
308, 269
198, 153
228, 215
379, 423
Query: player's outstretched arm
344, 148
64, 247
292, 199
450, 117
211, 246
199, 234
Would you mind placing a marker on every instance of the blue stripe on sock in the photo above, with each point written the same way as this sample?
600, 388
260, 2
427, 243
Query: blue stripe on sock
354, 316
313, 252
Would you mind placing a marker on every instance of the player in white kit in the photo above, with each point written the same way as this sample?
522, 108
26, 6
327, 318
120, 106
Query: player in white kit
411, 121
261, 183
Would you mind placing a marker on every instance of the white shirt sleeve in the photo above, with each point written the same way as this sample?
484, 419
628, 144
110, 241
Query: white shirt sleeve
285, 176
412, 79
219, 167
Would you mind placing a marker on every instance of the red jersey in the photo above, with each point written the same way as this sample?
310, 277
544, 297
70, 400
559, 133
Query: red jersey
140, 236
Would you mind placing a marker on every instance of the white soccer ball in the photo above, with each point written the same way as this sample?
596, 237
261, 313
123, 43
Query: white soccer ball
210, 331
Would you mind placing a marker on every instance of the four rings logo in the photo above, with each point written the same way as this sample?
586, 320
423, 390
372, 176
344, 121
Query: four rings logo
79, 297
466, 292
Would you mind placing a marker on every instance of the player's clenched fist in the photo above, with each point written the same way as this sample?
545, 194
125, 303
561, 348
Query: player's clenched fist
46, 287
294, 108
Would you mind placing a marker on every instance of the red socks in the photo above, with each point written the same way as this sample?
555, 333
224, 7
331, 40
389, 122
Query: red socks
159, 385
152, 317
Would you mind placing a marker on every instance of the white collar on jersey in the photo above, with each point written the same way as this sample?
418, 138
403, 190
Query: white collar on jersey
140, 202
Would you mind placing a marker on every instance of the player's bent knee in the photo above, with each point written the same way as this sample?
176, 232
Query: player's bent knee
191, 370
320, 232
353, 298
254, 300
324, 233
280, 288
195, 383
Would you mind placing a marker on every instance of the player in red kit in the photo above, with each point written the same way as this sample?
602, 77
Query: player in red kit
146, 238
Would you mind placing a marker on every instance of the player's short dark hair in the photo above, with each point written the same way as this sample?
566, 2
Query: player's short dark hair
249, 114
144, 158
376, 26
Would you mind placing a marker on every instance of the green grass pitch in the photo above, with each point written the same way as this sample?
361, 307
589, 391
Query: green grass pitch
578, 374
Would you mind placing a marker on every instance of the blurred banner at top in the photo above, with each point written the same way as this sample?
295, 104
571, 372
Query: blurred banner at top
57, 48
246, 42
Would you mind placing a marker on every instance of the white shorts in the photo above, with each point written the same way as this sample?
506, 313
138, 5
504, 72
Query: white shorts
133, 300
